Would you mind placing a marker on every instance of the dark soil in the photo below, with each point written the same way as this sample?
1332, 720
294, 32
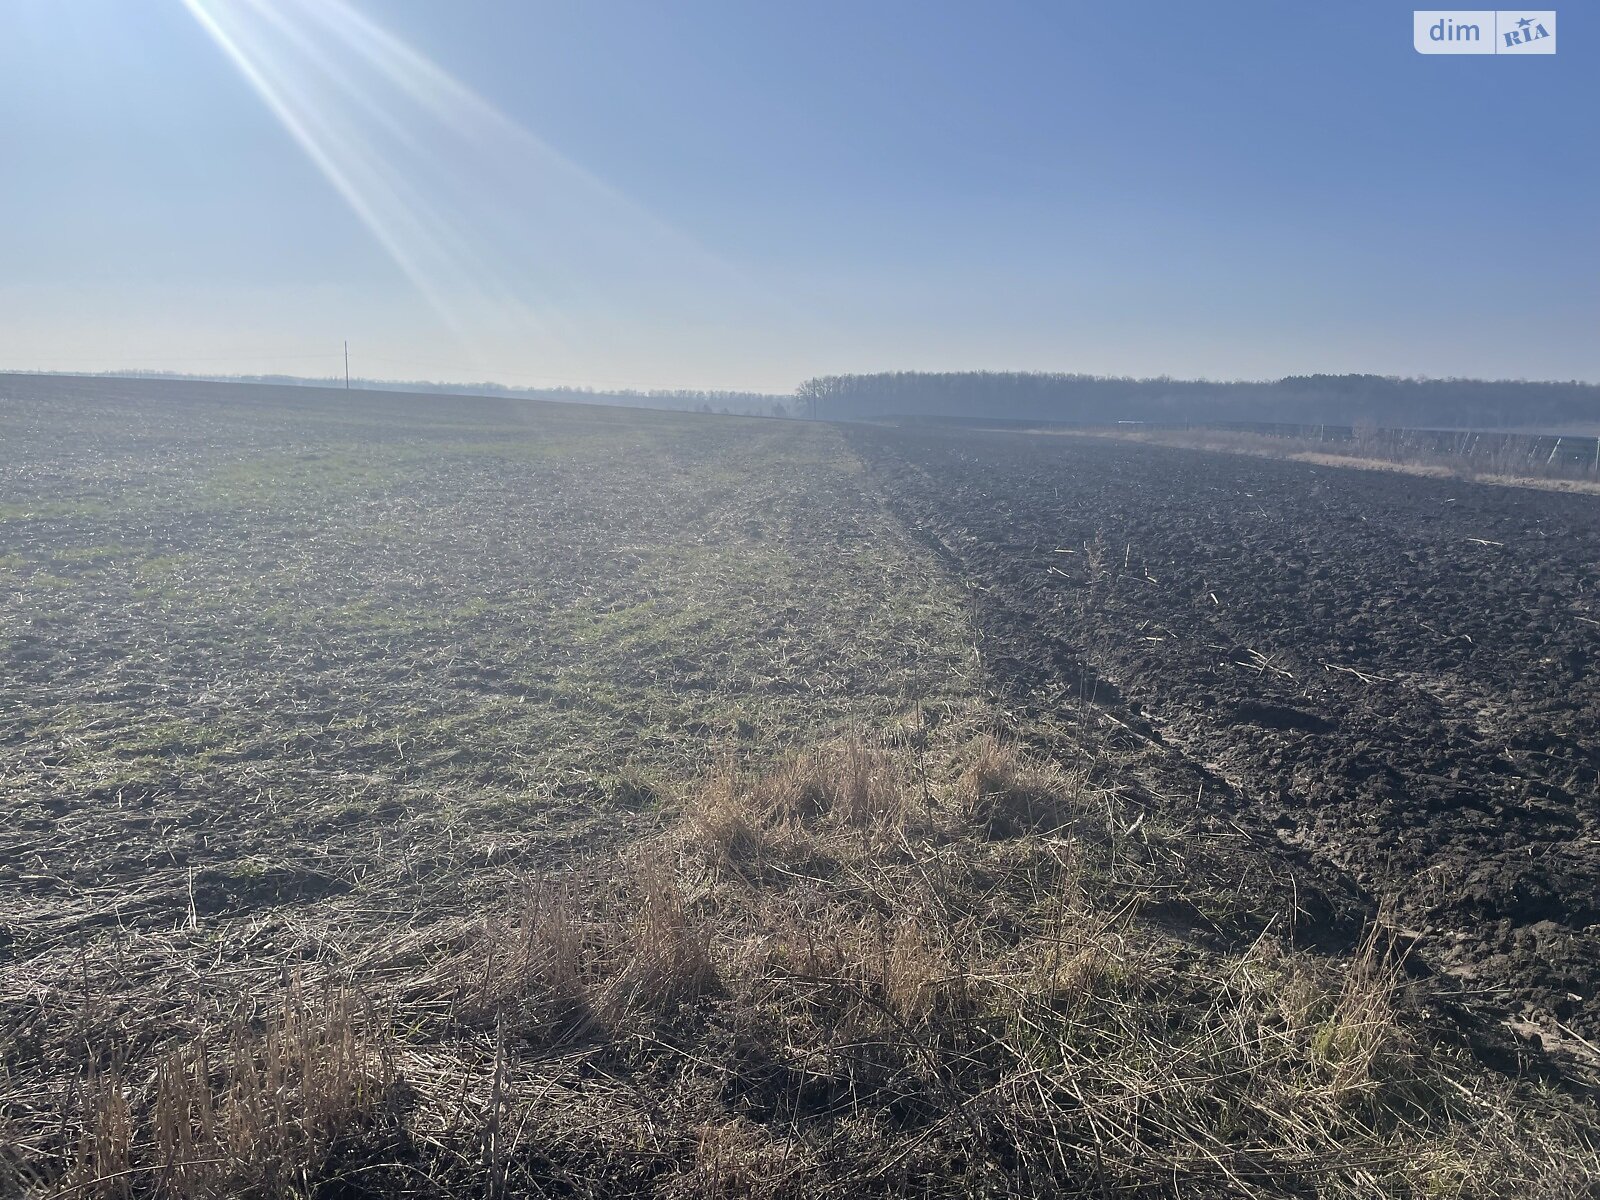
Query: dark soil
1399, 674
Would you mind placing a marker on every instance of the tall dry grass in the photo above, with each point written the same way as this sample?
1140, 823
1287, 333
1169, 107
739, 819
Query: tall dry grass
260, 1111
857, 972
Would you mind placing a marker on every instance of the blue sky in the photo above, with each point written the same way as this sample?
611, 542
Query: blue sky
743, 194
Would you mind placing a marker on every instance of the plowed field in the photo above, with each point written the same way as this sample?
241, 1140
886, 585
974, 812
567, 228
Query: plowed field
1397, 674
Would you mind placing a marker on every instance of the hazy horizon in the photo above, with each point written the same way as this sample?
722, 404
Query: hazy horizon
719, 197
337, 380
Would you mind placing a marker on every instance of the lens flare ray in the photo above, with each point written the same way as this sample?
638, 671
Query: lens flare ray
501, 234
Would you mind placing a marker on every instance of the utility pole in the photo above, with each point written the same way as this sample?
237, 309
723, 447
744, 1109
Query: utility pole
347, 364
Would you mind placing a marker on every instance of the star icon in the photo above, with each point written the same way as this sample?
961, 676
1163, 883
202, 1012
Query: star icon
1525, 22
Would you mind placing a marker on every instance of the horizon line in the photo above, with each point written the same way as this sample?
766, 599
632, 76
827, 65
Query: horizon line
338, 380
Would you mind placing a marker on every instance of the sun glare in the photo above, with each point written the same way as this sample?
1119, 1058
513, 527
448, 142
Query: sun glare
497, 230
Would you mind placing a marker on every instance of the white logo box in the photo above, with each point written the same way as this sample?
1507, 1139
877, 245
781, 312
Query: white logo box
1484, 31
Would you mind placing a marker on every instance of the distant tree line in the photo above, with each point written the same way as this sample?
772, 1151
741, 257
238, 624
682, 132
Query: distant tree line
1298, 399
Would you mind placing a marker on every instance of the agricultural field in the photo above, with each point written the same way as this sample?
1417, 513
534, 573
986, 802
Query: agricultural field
443, 796
258, 654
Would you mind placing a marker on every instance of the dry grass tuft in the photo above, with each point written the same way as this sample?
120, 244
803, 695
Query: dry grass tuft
667, 957
1361, 1043
739, 1158
747, 824
530, 967
921, 979
263, 1113
848, 782
736, 828
863, 788
1009, 794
